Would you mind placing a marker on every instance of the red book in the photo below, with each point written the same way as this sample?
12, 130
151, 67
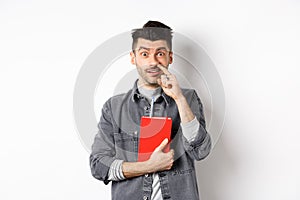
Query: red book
153, 130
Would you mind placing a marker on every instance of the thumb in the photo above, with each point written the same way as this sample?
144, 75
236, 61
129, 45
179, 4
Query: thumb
162, 145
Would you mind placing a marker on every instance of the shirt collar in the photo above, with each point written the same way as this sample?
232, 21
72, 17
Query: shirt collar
135, 94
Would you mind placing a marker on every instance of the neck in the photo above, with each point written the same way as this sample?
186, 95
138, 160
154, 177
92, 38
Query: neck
150, 93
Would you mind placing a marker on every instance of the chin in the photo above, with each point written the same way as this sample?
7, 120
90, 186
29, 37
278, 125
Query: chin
153, 83
149, 81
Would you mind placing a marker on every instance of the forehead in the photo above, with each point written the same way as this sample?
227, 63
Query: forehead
141, 42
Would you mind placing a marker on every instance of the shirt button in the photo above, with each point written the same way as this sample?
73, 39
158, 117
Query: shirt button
145, 198
146, 176
146, 108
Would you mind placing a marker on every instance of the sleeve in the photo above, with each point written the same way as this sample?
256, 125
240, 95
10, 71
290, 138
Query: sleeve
190, 129
115, 172
103, 149
199, 147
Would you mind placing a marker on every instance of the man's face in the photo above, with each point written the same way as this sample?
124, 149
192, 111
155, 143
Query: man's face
146, 56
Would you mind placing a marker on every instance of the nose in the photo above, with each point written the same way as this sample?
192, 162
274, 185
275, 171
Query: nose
153, 60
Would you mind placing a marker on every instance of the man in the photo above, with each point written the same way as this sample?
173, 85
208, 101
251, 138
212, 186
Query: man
169, 175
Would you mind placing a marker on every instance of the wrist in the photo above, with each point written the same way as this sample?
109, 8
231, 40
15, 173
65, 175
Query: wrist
147, 166
133, 169
180, 99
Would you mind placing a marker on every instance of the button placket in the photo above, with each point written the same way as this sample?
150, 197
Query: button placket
135, 135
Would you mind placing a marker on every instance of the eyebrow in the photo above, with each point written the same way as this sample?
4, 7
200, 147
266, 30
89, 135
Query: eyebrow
148, 49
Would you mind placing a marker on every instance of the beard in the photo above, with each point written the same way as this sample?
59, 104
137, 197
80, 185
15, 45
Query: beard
146, 78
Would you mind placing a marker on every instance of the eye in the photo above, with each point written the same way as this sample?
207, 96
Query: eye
144, 54
160, 54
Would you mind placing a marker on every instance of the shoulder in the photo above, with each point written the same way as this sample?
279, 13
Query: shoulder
191, 95
118, 99
187, 91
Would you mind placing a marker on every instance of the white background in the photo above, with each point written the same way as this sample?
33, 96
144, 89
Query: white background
254, 44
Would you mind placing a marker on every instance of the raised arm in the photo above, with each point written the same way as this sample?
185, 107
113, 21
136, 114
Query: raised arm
200, 146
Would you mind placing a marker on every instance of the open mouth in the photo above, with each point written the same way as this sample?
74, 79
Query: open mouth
153, 71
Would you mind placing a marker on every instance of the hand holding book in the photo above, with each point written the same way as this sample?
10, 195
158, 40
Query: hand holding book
159, 160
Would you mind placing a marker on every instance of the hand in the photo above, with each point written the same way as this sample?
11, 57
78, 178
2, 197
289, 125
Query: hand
160, 161
169, 83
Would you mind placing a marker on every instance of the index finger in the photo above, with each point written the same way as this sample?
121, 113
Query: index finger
164, 69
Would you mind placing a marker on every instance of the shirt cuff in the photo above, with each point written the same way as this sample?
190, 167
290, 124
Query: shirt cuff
190, 129
115, 171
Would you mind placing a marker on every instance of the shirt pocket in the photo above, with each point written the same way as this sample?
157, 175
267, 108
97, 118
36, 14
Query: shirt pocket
126, 145
181, 172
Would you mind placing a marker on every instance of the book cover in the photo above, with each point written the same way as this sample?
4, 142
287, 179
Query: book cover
153, 130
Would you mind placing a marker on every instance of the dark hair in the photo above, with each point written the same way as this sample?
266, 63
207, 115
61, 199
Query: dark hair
153, 30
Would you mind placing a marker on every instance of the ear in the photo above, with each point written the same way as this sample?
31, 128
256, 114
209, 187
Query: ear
132, 58
170, 57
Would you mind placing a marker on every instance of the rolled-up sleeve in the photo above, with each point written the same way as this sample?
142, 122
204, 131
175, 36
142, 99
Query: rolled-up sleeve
115, 172
190, 129
200, 145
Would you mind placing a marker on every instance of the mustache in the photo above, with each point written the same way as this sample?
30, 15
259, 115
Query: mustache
152, 68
